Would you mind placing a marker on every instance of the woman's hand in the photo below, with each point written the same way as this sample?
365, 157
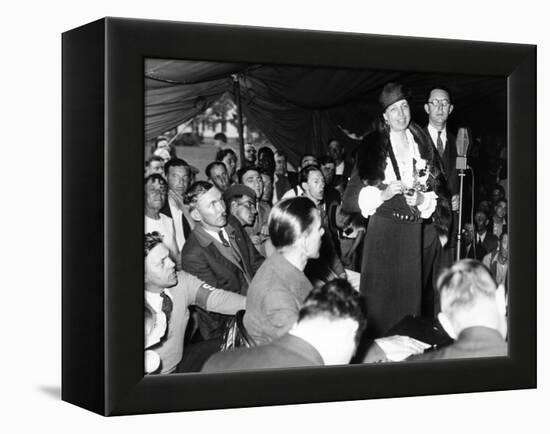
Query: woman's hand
414, 199
393, 188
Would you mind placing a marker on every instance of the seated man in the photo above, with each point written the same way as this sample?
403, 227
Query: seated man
178, 176
167, 297
258, 233
217, 251
216, 173
326, 332
155, 200
240, 200
473, 313
155, 164
283, 179
497, 262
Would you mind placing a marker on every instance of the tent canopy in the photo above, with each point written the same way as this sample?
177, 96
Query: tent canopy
300, 108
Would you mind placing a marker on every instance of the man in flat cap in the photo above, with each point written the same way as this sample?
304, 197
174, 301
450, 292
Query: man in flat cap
240, 200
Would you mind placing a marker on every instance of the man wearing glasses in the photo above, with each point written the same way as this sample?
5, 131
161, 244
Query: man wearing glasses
438, 251
240, 200
438, 108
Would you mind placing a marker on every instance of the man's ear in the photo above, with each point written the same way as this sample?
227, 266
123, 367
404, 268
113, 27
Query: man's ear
195, 215
427, 109
500, 297
233, 208
451, 107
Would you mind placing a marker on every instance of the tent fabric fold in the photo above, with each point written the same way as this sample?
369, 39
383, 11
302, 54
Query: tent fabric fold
300, 108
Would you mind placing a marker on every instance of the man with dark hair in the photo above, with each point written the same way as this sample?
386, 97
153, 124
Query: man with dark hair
249, 155
483, 237
258, 232
217, 251
216, 172
266, 159
155, 199
329, 265
470, 249
326, 333
154, 164
342, 169
240, 200
178, 175
168, 294
283, 179
438, 248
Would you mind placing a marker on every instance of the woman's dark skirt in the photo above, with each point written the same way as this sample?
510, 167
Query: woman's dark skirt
391, 272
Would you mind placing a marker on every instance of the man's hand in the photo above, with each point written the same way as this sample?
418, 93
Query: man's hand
454, 202
393, 188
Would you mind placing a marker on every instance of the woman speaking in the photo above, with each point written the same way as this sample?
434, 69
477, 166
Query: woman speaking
394, 164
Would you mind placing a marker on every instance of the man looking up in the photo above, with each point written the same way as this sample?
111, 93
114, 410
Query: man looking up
178, 176
155, 199
240, 200
217, 251
258, 232
168, 294
217, 175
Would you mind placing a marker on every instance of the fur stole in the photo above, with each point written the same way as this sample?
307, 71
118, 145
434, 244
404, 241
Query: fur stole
372, 160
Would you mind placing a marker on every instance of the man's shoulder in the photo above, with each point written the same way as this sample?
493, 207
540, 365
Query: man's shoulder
288, 351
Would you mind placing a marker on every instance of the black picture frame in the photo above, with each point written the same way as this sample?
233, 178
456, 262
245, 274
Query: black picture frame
102, 216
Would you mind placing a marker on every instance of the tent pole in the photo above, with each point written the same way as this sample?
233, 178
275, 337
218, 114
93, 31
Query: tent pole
237, 93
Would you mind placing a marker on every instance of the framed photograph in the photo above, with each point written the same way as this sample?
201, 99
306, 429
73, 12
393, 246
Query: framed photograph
128, 82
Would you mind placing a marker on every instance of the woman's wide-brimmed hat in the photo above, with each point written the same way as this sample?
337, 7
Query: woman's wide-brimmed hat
392, 93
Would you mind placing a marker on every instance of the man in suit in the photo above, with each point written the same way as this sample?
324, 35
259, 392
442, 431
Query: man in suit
439, 107
217, 251
342, 167
488, 240
474, 310
283, 179
326, 333
469, 247
473, 314
251, 177
438, 249
178, 176
168, 295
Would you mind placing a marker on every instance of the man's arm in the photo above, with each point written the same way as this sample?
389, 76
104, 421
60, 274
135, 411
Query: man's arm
195, 262
210, 298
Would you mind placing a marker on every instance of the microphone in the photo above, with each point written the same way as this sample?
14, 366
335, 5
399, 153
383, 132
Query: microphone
462, 143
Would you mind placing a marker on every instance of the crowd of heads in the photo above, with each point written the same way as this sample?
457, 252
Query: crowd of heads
310, 205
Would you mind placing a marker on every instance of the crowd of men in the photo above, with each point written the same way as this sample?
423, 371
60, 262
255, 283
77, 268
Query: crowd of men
206, 236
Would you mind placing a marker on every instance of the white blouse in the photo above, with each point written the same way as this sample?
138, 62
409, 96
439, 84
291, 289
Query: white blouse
370, 198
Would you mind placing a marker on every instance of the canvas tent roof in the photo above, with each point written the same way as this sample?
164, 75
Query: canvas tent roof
300, 108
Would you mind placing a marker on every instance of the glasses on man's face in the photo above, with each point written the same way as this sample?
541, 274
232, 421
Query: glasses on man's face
249, 205
439, 103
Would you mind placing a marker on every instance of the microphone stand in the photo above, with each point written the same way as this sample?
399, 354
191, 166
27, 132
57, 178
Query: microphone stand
462, 143
459, 235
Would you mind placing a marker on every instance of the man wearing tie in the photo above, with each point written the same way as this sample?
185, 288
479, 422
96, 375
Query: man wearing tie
439, 249
168, 296
218, 251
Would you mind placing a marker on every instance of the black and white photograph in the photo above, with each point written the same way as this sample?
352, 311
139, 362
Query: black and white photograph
307, 216
279, 217
324, 212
